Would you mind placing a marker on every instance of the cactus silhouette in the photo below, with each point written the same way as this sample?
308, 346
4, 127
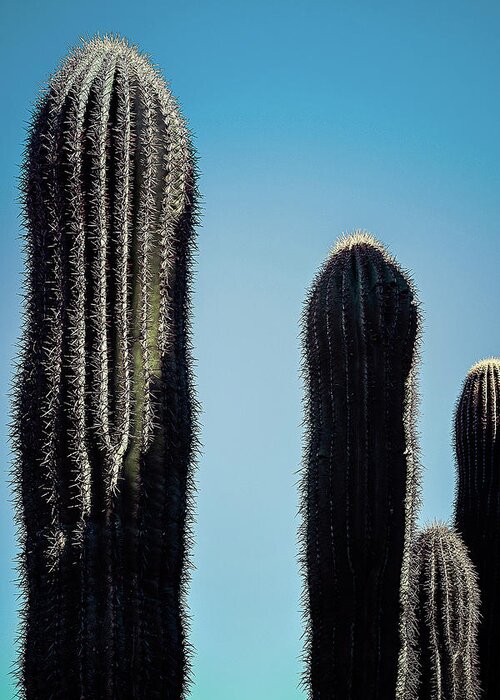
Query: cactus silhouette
360, 481
446, 608
104, 412
477, 503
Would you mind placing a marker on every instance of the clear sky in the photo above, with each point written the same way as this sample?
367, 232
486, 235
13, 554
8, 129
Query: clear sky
310, 119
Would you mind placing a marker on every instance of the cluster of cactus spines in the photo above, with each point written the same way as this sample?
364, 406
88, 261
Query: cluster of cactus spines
446, 609
104, 416
477, 503
360, 486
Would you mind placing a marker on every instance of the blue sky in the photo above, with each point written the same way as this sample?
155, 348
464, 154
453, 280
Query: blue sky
310, 119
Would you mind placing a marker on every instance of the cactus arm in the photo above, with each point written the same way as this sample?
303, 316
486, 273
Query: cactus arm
445, 601
104, 469
477, 512
360, 474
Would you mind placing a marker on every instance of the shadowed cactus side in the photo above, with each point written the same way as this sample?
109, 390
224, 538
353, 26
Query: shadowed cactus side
446, 604
360, 483
104, 407
477, 503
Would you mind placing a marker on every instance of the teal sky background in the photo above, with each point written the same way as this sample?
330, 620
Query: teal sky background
310, 119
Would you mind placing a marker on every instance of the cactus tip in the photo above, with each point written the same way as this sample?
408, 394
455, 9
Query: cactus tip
354, 239
486, 363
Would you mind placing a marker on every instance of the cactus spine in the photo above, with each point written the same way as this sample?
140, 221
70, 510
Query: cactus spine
104, 407
446, 607
360, 481
477, 503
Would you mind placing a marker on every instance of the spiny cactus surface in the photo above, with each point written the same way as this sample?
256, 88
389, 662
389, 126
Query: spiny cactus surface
360, 480
446, 603
477, 503
104, 407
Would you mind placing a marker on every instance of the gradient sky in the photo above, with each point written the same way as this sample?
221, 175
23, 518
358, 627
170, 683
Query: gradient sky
310, 119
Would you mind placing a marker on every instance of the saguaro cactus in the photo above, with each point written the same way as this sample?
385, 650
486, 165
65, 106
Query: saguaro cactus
446, 608
103, 419
360, 477
477, 503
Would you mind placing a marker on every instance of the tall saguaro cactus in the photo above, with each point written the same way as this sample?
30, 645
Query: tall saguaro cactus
477, 503
446, 607
104, 407
360, 479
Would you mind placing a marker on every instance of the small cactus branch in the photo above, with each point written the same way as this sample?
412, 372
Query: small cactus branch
445, 596
360, 477
104, 407
477, 502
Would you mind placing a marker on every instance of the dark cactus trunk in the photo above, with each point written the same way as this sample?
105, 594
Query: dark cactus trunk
446, 607
477, 504
360, 479
103, 421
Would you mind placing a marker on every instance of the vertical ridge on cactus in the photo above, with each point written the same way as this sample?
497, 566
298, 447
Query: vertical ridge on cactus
477, 502
360, 481
446, 605
104, 410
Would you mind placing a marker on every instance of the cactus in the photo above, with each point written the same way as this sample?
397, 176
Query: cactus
360, 480
104, 412
446, 608
477, 503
